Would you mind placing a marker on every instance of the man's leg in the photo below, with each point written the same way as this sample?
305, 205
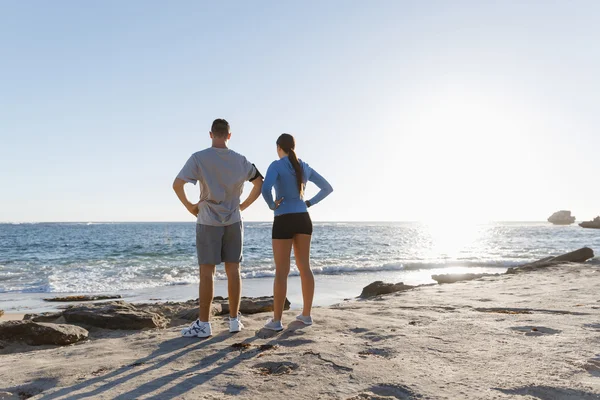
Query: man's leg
207, 288
233, 244
208, 246
234, 286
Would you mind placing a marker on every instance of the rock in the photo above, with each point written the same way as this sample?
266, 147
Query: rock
43, 317
38, 333
9, 396
114, 315
255, 305
577, 256
191, 314
379, 287
85, 298
594, 224
562, 217
188, 310
451, 278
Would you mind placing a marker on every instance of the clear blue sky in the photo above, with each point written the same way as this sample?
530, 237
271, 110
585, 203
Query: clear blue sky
412, 110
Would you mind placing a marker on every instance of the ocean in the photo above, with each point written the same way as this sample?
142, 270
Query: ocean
43, 258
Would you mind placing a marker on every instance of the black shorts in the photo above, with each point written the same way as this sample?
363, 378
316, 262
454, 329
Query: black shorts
287, 225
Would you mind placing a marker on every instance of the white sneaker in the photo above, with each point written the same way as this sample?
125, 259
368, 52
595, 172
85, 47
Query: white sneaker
235, 324
197, 329
305, 320
273, 325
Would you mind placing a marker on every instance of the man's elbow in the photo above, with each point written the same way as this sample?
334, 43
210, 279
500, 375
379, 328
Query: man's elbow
177, 183
258, 183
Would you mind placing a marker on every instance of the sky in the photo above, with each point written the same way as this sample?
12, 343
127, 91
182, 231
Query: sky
413, 110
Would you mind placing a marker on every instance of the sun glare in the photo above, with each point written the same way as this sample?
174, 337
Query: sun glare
451, 237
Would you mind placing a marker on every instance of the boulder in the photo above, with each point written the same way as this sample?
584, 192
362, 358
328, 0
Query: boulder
39, 333
43, 317
114, 315
379, 287
85, 298
577, 256
451, 278
255, 305
562, 217
9, 396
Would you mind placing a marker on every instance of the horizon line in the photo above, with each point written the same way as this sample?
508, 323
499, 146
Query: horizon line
258, 221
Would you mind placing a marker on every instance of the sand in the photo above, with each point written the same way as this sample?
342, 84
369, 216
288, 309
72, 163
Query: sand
11, 317
533, 335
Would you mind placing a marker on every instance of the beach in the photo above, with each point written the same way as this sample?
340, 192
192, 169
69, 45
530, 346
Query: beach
533, 334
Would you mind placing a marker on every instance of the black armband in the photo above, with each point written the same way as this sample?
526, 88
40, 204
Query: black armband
256, 175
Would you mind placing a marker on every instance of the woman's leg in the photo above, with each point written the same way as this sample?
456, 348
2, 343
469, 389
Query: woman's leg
302, 255
282, 249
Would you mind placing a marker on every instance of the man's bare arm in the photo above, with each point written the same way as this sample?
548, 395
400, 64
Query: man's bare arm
254, 194
180, 192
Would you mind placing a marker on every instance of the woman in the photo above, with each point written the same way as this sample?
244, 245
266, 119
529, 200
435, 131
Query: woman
292, 226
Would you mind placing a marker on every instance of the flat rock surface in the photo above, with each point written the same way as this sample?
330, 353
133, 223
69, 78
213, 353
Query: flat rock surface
84, 298
533, 335
38, 333
114, 315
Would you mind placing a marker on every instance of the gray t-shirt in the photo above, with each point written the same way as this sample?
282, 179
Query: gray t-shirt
222, 173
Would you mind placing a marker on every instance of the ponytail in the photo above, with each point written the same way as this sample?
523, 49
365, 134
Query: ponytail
299, 173
288, 144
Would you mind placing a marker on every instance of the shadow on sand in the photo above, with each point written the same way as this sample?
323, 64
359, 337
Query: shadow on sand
170, 351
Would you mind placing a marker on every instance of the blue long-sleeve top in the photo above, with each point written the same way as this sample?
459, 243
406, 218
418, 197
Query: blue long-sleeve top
282, 175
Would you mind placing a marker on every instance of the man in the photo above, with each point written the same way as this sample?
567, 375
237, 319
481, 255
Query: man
219, 229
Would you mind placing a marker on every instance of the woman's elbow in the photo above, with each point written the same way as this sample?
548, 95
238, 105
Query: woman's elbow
265, 192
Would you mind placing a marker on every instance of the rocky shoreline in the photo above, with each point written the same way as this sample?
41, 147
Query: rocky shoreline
442, 325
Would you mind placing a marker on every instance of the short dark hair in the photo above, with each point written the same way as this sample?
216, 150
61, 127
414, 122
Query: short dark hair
220, 128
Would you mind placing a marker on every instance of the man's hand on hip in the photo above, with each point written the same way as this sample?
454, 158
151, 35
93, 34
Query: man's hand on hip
193, 209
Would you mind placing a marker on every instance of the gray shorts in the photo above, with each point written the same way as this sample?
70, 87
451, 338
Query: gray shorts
217, 244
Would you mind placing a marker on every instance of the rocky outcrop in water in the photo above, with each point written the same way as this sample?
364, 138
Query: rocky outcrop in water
594, 224
37, 333
577, 256
562, 217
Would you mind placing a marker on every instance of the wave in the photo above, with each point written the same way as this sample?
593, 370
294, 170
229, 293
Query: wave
107, 277
355, 269
98, 280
